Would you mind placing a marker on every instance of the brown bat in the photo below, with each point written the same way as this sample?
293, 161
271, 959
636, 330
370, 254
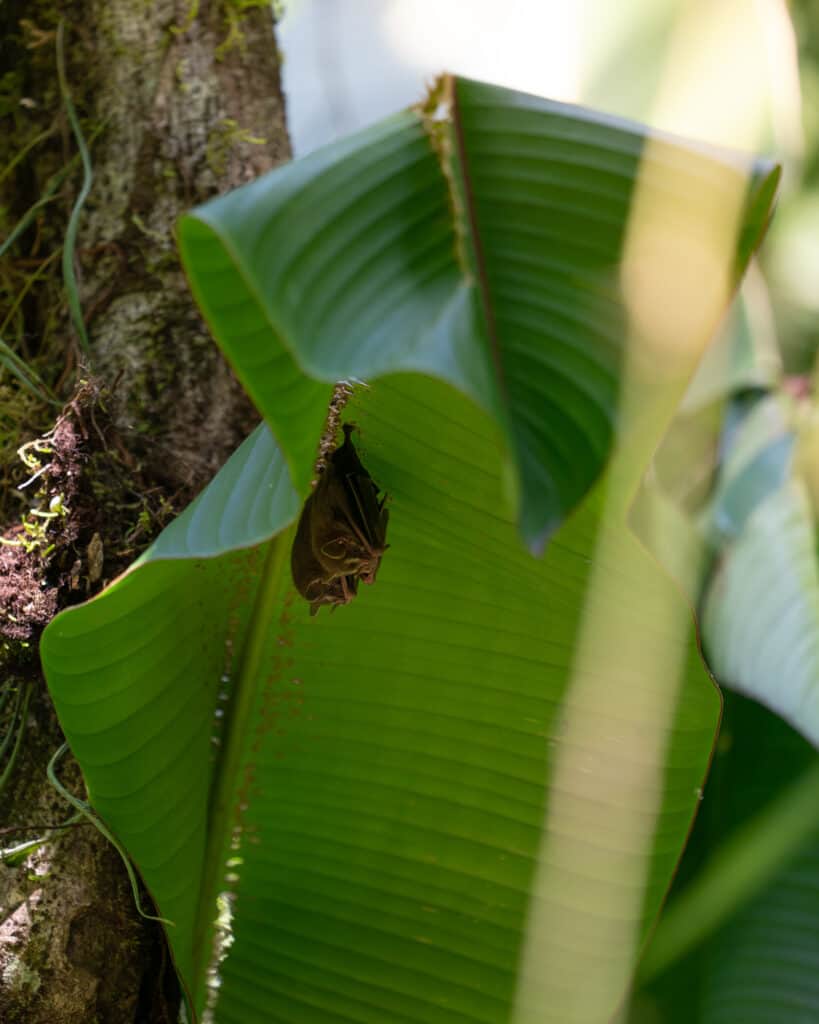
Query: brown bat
341, 535
309, 576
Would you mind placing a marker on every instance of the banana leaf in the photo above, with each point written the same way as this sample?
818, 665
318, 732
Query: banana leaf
462, 796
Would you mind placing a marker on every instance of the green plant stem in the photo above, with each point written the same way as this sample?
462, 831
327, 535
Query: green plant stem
7, 736
735, 873
86, 811
38, 273
47, 197
17, 728
9, 358
6, 691
15, 855
23, 153
223, 816
30, 381
69, 274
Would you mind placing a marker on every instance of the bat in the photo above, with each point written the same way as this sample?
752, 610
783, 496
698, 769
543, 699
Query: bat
341, 535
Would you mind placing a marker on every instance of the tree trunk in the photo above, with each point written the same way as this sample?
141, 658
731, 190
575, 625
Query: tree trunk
177, 102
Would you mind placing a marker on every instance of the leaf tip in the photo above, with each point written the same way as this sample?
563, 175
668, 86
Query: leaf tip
436, 106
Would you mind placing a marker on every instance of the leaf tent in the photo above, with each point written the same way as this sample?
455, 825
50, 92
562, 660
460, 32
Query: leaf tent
461, 797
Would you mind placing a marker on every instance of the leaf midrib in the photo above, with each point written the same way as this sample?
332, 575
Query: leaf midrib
474, 235
224, 816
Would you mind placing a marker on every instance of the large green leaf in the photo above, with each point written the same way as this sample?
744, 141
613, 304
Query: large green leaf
499, 275
738, 940
761, 608
487, 763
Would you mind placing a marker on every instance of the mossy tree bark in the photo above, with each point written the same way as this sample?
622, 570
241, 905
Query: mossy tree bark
179, 101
